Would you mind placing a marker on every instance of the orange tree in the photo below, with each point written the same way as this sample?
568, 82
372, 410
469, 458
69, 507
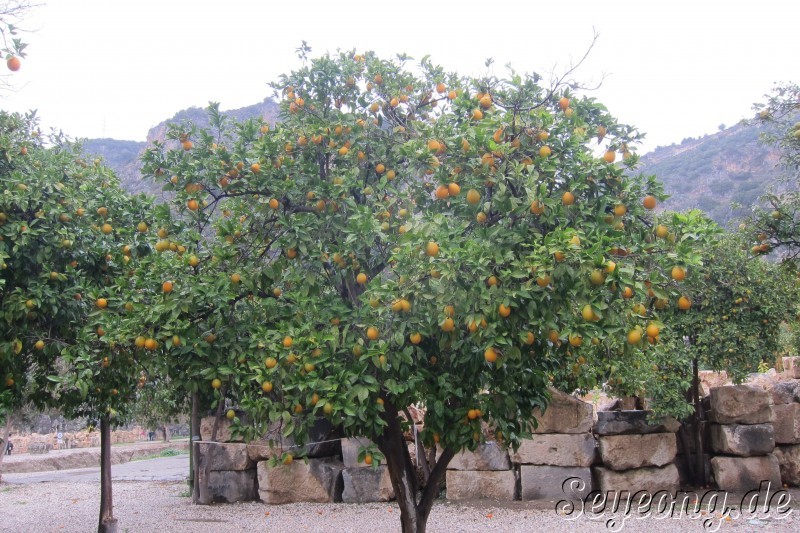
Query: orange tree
64, 225
411, 236
11, 46
774, 222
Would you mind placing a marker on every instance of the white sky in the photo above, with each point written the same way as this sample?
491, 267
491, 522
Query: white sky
674, 68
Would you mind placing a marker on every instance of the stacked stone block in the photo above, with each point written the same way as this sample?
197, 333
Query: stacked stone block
363, 483
231, 473
786, 410
743, 438
483, 474
636, 455
556, 462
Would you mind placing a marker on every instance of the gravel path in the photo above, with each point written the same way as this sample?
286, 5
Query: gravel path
147, 506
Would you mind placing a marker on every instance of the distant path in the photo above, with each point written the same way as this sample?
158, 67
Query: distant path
161, 469
85, 457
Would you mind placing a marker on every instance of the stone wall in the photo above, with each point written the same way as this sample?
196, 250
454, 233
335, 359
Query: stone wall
754, 436
70, 440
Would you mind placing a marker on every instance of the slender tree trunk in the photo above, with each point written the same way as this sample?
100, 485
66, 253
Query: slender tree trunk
107, 524
414, 507
194, 436
6, 434
166, 433
697, 426
202, 474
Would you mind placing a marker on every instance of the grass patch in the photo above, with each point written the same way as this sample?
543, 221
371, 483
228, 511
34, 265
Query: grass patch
167, 452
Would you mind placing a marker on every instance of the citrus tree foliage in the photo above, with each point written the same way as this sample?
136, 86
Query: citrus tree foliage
406, 236
11, 46
775, 220
63, 221
739, 303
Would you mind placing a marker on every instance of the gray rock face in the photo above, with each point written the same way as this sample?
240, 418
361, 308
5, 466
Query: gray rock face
632, 422
363, 485
223, 456
742, 440
350, 449
786, 392
542, 482
579, 449
488, 456
624, 452
223, 430
485, 485
789, 463
564, 414
651, 479
742, 474
228, 486
740, 404
787, 423
319, 481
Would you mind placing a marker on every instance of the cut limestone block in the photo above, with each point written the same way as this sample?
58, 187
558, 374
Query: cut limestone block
564, 414
789, 460
786, 392
223, 456
228, 486
742, 440
632, 422
740, 404
364, 485
624, 452
579, 449
487, 485
787, 423
650, 479
544, 482
319, 481
742, 474
791, 367
488, 456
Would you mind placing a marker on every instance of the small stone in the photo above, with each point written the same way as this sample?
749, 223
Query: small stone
542, 482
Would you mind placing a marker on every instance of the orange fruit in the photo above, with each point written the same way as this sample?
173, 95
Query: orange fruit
563, 103
150, 344
454, 189
678, 273
684, 303
620, 210
490, 354
193, 205
537, 207
473, 197
361, 278
627, 293
568, 198
545, 151
101, 303
649, 202
236, 278
380, 168
415, 338
634, 336
166, 287
448, 325
106, 228
432, 249
434, 145
287, 342
442, 192
610, 156
485, 101
255, 168
652, 330
187, 145
440, 88
13, 63
372, 333
266, 386
504, 311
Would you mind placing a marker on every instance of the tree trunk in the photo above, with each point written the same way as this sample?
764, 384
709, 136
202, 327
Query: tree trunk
166, 433
414, 507
698, 424
107, 524
194, 436
6, 435
202, 474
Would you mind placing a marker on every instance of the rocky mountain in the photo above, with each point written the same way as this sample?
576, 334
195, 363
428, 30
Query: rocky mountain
715, 172
123, 156
711, 173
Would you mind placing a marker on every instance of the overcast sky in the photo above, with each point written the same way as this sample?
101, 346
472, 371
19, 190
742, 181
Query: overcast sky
673, 68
